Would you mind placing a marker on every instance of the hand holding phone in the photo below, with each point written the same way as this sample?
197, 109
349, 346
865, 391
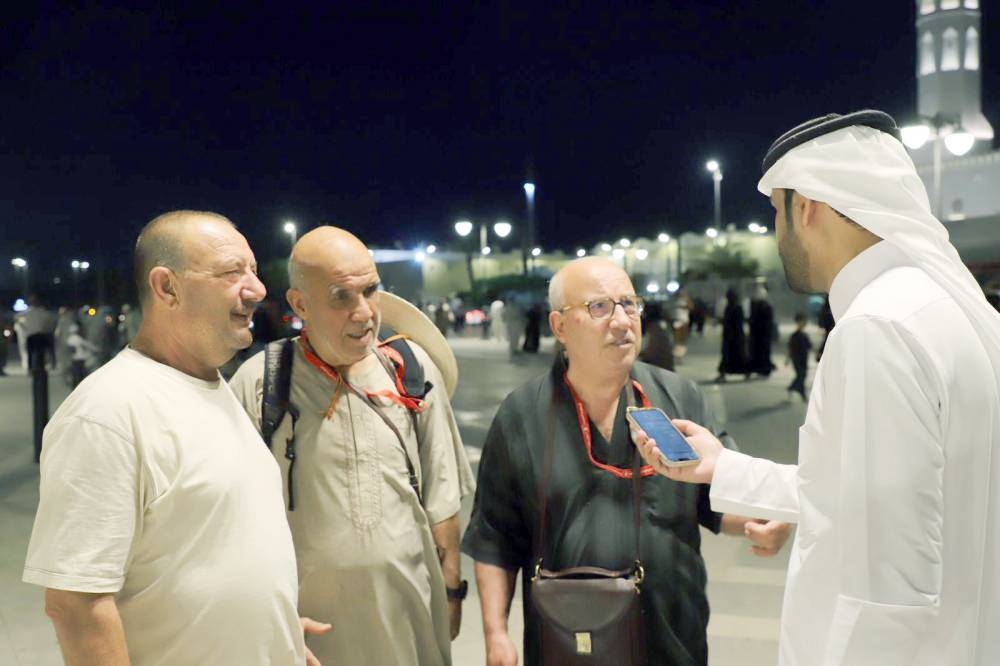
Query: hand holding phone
670, 442
705, 444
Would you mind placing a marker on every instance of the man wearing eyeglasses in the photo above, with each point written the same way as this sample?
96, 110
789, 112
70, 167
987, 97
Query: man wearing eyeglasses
581, 401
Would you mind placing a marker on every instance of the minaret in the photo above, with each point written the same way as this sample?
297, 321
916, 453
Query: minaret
949, 75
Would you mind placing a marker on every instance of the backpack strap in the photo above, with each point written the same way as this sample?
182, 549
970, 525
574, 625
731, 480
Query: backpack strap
414, 380
275, 403
277, 386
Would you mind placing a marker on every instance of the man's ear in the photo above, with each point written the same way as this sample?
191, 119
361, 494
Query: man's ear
558, 325
807, 208
163, 284
297, 300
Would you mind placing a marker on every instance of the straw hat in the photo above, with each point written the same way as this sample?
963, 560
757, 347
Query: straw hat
404, 318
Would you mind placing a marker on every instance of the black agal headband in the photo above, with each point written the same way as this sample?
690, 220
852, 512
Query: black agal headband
809, 130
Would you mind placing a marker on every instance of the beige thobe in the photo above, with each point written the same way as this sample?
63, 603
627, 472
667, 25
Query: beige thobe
367, 561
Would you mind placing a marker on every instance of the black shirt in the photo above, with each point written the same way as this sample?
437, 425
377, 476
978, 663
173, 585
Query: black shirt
590, 519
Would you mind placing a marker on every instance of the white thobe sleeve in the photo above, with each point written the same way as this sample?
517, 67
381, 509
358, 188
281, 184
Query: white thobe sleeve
754, 487
885, 410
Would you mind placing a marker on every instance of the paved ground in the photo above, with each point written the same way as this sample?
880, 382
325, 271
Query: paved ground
744, 591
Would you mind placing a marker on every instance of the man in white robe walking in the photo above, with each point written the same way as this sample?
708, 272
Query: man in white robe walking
897, 490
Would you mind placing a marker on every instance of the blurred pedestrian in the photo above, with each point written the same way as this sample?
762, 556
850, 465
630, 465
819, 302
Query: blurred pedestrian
734, 342
513, 321
761, 327
129, 322
497, 323
5, 334
657, 338
64, 355
37, 325
799, 346
682, 323
699, 312
443, 318
82, 355
533, 329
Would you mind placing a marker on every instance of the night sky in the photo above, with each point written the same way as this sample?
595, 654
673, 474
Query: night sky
396, 122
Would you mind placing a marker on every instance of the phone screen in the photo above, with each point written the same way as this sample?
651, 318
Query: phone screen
668, 439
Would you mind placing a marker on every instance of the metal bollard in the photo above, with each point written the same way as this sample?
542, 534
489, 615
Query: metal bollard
38, 346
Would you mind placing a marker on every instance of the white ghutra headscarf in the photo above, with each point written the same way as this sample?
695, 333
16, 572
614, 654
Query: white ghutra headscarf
867, 175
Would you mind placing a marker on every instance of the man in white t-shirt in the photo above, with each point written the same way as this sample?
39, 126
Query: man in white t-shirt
160, 535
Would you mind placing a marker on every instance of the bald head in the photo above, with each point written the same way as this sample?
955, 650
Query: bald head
162, 243
573, 277
334, 289
327, 249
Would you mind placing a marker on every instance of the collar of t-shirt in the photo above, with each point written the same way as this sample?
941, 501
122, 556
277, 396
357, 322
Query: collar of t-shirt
169, 371
861, 270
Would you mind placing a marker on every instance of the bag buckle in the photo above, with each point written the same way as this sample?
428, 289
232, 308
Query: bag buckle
640, 573
538, 571
584, 644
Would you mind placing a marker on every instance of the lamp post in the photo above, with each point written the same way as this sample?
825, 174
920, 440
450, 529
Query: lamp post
292, 231
716, 170
943, 131
664, 239
463, 228
21, 265
528, 239
77, 266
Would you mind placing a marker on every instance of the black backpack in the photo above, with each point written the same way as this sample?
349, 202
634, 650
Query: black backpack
275, 402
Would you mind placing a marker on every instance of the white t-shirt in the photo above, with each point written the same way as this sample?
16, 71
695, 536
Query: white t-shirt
155, 486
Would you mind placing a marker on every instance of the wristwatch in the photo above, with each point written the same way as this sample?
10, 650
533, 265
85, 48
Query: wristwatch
458, 593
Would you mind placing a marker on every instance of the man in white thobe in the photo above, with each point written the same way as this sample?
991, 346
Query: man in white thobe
897, 490
377, 560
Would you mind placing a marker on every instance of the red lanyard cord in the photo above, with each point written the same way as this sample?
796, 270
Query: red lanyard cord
401, 398
588, 439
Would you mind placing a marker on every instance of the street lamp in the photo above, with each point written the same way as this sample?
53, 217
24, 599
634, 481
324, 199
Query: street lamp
431, 249
713, 166
290, 229
641, 254
502, 229
463, 228
605, 247
581, 252
941, 130
625, 242
21, 264
712, 232
528, 240
536, 251
77, 267
664, 239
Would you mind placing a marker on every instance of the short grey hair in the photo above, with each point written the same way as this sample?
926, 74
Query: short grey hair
161, 243
557, 291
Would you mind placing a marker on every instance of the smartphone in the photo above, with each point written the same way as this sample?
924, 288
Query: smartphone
669, 440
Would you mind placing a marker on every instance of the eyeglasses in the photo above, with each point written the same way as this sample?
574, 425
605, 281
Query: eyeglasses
603, 308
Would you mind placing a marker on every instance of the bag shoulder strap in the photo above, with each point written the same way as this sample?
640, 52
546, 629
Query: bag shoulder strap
543, 487
277, 386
